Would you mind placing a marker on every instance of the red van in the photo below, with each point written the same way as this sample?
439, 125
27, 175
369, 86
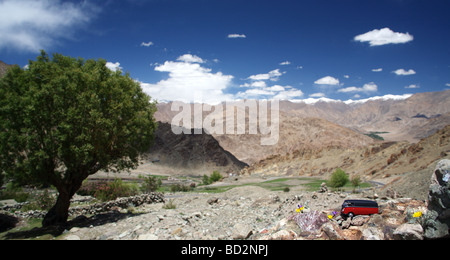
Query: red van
352, 208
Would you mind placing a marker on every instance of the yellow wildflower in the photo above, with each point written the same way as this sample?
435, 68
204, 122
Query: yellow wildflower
418, 214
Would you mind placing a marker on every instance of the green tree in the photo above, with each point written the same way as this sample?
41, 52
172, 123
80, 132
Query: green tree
205, 180
63, 119
356, 181
338, 179
215, 176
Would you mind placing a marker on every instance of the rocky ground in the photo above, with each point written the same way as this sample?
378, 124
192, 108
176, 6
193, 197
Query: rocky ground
242, 213
252, 212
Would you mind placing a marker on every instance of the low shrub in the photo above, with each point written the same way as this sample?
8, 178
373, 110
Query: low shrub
338, 179
215, 176
114, 190
180, 187
89, 188
41, 201
150, 184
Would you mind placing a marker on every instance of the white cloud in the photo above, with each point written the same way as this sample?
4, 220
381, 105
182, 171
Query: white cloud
378, 70
29, 25
189, 82
402, 72
254, 84
413, 86
317, 95
273, 92
347, 76
190, 58
272, 75
284, 63
113, 66
235, 36
328, 80
447, 85
289, 94
384, 36
367, 88
147, 44
276, 88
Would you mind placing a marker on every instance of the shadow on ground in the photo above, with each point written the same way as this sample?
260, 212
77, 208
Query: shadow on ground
80, 221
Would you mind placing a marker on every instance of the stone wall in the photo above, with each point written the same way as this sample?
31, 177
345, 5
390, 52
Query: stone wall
118, 204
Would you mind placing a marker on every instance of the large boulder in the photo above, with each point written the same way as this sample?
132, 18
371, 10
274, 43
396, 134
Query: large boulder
437, 221
409, 232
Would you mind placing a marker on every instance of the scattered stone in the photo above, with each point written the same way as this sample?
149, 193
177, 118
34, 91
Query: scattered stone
283, 235
332, 230
323, 188
239, 213
242, 231
372, 233
148, 237
359, 220
409, 232
72, 237
275, 198
213, 200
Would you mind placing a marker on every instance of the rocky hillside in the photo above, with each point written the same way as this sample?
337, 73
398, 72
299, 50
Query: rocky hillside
337, 124
402, 164
3, 68
409, 119
295, 132
191, 154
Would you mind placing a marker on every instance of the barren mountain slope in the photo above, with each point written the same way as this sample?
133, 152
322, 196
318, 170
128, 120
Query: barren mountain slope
295, 132
189, 154
386, 162
405, 119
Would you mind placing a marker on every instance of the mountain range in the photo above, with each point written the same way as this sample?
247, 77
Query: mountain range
330, 123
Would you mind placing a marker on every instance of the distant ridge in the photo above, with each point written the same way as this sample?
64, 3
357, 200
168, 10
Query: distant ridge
194, 154
4, 68
315, 125
310, 101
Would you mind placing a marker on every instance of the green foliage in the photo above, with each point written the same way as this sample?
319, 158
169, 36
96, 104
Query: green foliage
338, 179
89, 188
180, 187
375, 135
215, 176
13, 192
41, 201
151, 183
63, 119
356, 181
114, 190
205, 180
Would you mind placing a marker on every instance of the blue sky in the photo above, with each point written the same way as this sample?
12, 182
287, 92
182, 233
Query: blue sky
228, 49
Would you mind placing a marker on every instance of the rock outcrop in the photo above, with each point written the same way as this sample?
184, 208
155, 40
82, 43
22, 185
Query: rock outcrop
437, 223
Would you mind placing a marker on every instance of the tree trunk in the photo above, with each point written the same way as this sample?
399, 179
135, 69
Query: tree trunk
59, 213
